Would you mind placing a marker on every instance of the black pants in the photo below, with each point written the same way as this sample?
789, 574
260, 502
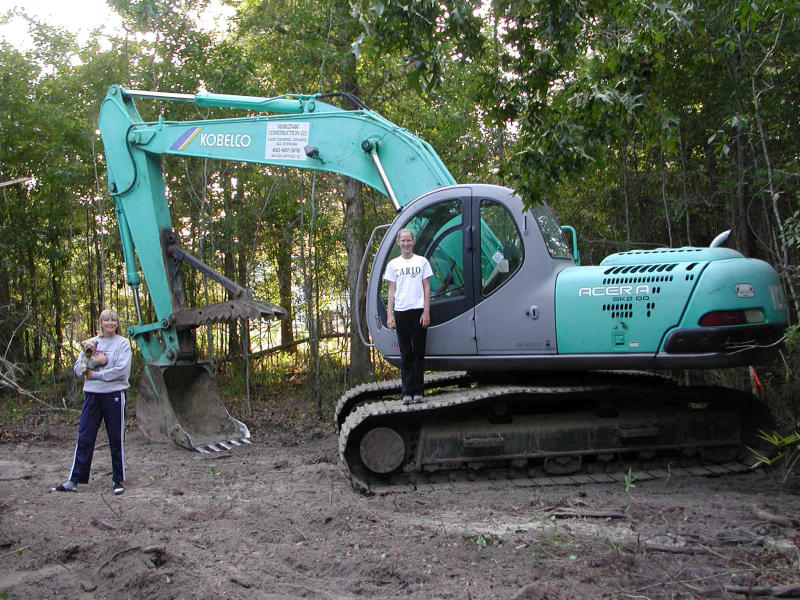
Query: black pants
411, 336
109, 407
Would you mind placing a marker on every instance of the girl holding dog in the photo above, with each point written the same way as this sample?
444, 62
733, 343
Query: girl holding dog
106, 380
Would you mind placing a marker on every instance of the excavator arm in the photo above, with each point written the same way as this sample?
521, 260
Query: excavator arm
306, 133
297, 131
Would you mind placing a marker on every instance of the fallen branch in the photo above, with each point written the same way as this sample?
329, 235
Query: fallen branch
672, 549
588, 515
17, 551
102, 524
241, 582
47, 556
111, 508
116, 554
23, 392
773, 518
784, 591
147, 550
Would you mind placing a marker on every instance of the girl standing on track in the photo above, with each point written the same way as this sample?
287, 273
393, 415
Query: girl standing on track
409, 311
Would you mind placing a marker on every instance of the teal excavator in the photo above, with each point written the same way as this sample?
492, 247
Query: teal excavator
543, 360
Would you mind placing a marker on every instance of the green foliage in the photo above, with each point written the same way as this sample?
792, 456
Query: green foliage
629, 479
782, 379
13, 409
427, 33
785, 452
484, 540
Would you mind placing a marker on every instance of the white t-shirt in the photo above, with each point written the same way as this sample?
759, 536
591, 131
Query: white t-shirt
407, 275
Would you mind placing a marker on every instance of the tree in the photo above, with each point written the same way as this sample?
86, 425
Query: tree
684, 106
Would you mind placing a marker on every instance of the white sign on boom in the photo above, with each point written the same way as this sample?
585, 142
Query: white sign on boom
287, 140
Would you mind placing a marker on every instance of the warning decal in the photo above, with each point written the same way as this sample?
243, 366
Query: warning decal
287, 141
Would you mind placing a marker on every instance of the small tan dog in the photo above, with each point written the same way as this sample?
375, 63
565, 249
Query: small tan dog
89, 348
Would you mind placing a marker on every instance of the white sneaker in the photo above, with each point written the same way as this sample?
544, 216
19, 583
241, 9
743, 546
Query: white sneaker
418, 399
408, 399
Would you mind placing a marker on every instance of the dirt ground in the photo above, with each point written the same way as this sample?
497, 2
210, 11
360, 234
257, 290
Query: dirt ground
278, 520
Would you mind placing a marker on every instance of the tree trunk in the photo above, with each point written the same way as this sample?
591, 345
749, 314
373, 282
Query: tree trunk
626, 194
55, 288
33, 302
740, 225
100, 276
780, 233
244, 324
90, 237
685, 178
284, 260
360, 364
6, 324
229, 261
307, 257
667, 217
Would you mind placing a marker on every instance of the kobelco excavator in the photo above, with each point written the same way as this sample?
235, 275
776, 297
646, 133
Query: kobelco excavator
537, 350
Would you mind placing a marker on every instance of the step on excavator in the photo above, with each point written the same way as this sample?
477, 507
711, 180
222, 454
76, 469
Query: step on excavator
542, 363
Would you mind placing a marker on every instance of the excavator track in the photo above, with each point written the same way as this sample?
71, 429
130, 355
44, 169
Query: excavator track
379, 390
599, 427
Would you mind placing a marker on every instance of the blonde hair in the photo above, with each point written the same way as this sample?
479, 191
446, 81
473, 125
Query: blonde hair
108, 313
408, 231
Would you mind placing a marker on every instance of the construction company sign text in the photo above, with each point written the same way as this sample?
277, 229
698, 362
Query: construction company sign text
287, 140
621, 293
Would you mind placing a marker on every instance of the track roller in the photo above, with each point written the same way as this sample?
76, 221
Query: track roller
382, 450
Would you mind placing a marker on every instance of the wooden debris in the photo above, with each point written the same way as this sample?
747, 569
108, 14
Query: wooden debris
100, 524
587, 515
241, 582
784, 591
773, 518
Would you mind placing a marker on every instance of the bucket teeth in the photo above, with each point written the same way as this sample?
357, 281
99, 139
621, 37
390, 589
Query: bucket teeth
225, 312
217, 447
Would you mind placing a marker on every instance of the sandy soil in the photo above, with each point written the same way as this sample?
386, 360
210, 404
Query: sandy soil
278, 520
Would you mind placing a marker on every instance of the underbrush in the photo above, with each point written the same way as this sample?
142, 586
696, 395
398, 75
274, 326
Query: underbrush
782, 380
289, 385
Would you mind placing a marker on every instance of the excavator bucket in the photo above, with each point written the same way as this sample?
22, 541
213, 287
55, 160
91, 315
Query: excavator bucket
181, 404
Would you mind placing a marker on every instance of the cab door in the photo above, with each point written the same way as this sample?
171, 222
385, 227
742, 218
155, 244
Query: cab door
514, 278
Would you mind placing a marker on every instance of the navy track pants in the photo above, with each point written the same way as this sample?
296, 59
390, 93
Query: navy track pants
108, 407
412, 337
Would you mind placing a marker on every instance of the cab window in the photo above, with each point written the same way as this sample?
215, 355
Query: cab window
501, 246
438, 231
